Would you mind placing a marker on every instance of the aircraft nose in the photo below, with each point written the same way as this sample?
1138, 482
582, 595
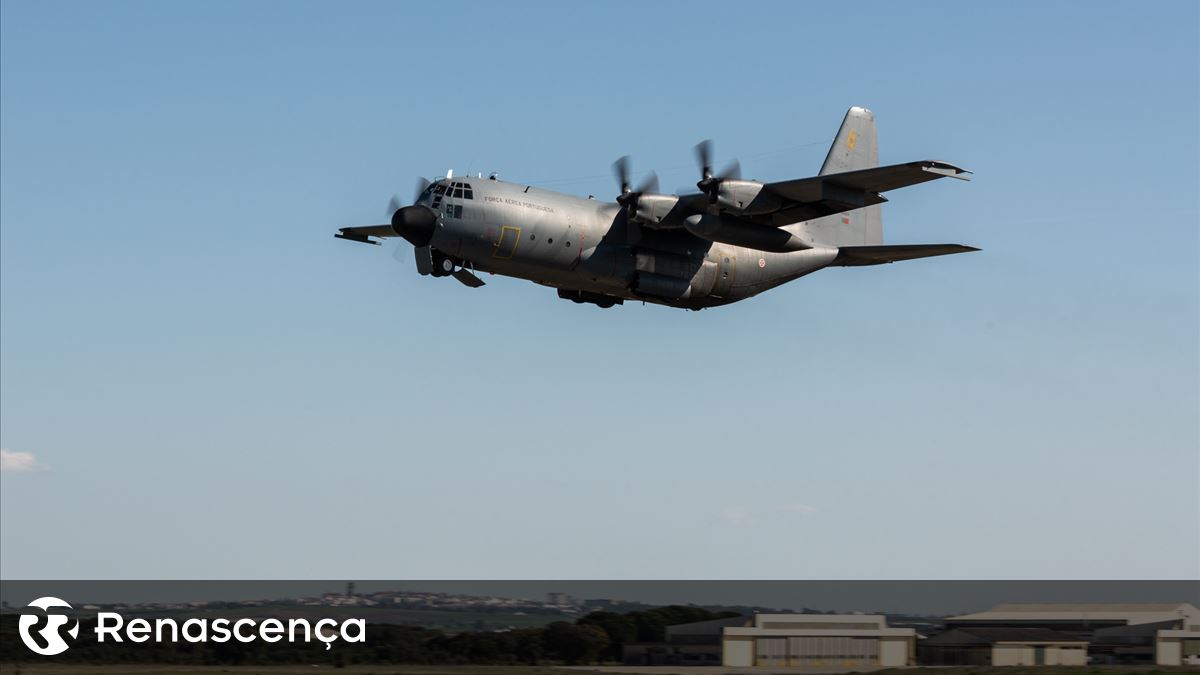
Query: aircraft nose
415, 223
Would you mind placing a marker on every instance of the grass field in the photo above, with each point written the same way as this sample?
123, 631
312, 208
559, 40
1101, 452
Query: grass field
62, 669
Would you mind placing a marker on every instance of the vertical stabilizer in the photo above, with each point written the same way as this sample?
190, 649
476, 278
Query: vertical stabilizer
855, 147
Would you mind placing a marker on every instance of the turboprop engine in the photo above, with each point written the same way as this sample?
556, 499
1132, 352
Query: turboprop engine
739, 233
745, 197
652, 209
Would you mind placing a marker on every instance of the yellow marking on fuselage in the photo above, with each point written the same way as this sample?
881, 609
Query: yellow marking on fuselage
500, 242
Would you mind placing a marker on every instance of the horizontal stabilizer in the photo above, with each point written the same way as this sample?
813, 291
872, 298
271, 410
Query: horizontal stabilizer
851, 256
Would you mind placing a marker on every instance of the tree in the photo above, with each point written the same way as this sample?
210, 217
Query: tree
621, 630
574, 644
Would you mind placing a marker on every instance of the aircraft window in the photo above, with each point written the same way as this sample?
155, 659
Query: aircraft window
441, 189
550, 240
468, 194
458, 192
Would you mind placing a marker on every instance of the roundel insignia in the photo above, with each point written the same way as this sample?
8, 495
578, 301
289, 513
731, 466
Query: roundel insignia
762, 262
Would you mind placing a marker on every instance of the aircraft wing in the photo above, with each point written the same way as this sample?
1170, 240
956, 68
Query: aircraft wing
854, 256
808, 198
364, 234
876, 179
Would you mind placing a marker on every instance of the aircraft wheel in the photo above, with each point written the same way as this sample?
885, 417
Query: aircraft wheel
443, 265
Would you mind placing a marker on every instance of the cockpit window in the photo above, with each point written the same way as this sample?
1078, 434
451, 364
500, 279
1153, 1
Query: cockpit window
456, 190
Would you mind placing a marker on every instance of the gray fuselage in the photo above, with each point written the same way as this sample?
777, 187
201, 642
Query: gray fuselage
577, 244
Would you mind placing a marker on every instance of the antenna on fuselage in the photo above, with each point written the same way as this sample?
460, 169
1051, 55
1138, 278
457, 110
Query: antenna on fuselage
449, 173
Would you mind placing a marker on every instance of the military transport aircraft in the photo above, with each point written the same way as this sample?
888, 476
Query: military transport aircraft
731, 240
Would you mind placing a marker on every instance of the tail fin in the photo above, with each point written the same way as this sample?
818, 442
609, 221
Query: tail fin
855, 147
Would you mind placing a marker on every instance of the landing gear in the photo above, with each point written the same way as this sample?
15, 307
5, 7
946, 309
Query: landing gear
443, 265
598, 299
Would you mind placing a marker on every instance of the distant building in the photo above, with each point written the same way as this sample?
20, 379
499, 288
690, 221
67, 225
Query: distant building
1177, 648
1134, 643
686, 644
992, 646
818, 640
1079, 619
1161, 633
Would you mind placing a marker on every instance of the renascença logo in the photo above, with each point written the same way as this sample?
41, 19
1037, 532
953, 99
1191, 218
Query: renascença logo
51, 633
111, 626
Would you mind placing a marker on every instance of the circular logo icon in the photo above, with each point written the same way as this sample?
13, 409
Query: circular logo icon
762, 262
47, 627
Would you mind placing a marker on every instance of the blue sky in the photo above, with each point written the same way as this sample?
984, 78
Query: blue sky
211, 386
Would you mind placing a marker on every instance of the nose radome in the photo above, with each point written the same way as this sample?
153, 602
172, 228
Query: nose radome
415, 223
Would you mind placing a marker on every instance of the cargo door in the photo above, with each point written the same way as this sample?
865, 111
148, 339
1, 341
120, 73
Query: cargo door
770, 651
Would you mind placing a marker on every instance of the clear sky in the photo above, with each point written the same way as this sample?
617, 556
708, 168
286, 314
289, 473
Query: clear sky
198, 381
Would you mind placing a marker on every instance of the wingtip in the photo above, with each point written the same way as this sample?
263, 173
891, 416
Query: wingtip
945, 168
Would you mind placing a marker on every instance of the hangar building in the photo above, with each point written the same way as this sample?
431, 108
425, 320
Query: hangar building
991, 646
818, 640
686, 644
1162, 633
1081, 619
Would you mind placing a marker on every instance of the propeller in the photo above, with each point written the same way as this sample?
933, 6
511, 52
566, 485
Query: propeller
394, 204
629, 197
422, 184
709, 183
415, 223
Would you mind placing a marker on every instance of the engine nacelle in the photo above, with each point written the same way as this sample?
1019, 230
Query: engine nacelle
652, 209
749, 235
746, 197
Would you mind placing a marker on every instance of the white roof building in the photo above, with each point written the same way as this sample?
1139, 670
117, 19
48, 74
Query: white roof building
1175, 641
817, 640
1097, 614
